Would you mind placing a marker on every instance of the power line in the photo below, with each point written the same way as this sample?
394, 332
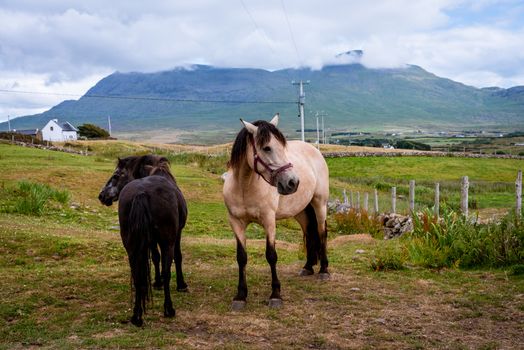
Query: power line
143, 98
257, 27
291, 33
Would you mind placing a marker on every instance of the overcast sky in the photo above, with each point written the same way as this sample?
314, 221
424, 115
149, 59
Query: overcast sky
59, 46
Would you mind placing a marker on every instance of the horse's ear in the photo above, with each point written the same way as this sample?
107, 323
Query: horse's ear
119, 163
148, 168
274, 121
250, 127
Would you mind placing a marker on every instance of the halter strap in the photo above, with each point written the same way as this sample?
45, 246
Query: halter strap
273, 173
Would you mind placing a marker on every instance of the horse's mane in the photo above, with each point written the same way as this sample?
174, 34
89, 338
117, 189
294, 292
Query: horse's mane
162, 169
137, 165
265, 130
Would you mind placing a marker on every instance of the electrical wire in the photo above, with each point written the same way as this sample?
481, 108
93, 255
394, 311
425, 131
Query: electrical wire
143, 98
291, 33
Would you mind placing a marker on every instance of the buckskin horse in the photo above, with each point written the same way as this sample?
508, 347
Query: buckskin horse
152, 212
270, 179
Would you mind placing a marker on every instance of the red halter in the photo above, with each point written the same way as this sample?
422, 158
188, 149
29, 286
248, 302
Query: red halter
272, 172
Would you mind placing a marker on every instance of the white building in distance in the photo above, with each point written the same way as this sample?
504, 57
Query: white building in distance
59, 132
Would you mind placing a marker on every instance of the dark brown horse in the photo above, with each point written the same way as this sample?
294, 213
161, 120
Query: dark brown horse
152, 212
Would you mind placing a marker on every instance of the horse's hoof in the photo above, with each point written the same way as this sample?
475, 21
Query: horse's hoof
306, 272
238, 305
137, 321
324, 276
275, 303
183, 290
169, 312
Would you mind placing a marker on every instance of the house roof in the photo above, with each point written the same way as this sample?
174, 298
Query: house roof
27, 131
68, 127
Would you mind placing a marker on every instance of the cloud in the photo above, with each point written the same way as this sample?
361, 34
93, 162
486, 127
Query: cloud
57, 44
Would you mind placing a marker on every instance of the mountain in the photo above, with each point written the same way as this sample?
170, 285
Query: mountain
205, 98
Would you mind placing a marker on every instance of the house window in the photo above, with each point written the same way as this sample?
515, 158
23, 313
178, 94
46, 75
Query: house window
51, 128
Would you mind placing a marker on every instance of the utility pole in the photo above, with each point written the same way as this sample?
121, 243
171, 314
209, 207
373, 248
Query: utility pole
8, 123
301, 102
318, 134
109, 124
322, 115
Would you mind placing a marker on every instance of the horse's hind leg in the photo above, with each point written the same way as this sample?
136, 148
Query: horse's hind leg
167, 260
320, 207
155, 256
311, 239
181, 285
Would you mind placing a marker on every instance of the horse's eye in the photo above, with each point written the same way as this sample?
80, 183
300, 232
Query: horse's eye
266, 149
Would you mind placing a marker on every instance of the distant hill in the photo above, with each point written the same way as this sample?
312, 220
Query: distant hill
352, 95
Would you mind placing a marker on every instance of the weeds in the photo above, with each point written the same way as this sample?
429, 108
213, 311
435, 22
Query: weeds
357, 221
32, 198
389, 255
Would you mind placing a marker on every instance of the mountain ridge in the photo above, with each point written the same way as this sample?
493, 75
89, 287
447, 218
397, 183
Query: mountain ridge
352, 95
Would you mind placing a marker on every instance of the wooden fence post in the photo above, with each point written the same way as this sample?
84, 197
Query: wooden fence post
344, 194
351, 203
411, 196
436, 208
366, 200
358, 201
376, 202
393, 200
464, 196
518, 194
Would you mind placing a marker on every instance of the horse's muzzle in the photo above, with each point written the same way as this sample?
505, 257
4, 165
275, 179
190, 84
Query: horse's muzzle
288, 185
104, 199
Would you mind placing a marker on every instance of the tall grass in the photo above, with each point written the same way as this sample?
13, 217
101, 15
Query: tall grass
33, 198
456, 241
357, 221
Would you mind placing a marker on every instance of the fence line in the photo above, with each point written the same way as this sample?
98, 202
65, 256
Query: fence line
464, 198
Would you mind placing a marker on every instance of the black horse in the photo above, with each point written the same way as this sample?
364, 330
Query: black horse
152, 212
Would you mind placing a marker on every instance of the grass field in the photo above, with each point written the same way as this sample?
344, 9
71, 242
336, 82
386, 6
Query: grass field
65, 279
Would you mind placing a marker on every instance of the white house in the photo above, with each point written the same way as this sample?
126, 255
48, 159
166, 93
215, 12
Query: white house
60, 132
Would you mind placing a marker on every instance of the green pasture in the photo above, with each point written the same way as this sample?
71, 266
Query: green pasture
65, 279
492, 181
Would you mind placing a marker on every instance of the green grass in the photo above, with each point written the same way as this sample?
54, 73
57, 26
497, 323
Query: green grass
65, 277
491, 180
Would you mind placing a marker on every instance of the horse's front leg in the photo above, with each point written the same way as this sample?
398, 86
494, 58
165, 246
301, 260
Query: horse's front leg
239, 228
167, 260
275, 300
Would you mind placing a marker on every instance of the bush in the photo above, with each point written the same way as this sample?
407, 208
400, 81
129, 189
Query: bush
92, 131
33, 198
389, 255
357, 221
454, 241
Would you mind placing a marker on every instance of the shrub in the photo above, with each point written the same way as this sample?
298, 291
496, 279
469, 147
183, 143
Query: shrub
92, 131
456, 241
389, 255
357, 221
33, 198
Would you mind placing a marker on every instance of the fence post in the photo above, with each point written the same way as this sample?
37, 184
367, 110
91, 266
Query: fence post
366, 200
376, 202
464, 196
358, 201
412, 196
518, 194
436, 208
393, 200
344, 194
351, 203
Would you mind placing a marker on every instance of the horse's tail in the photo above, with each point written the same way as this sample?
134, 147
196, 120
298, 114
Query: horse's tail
312, 236
139, 242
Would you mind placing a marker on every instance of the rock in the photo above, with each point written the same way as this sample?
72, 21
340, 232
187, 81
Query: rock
355, 289
396, 225
360, 251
